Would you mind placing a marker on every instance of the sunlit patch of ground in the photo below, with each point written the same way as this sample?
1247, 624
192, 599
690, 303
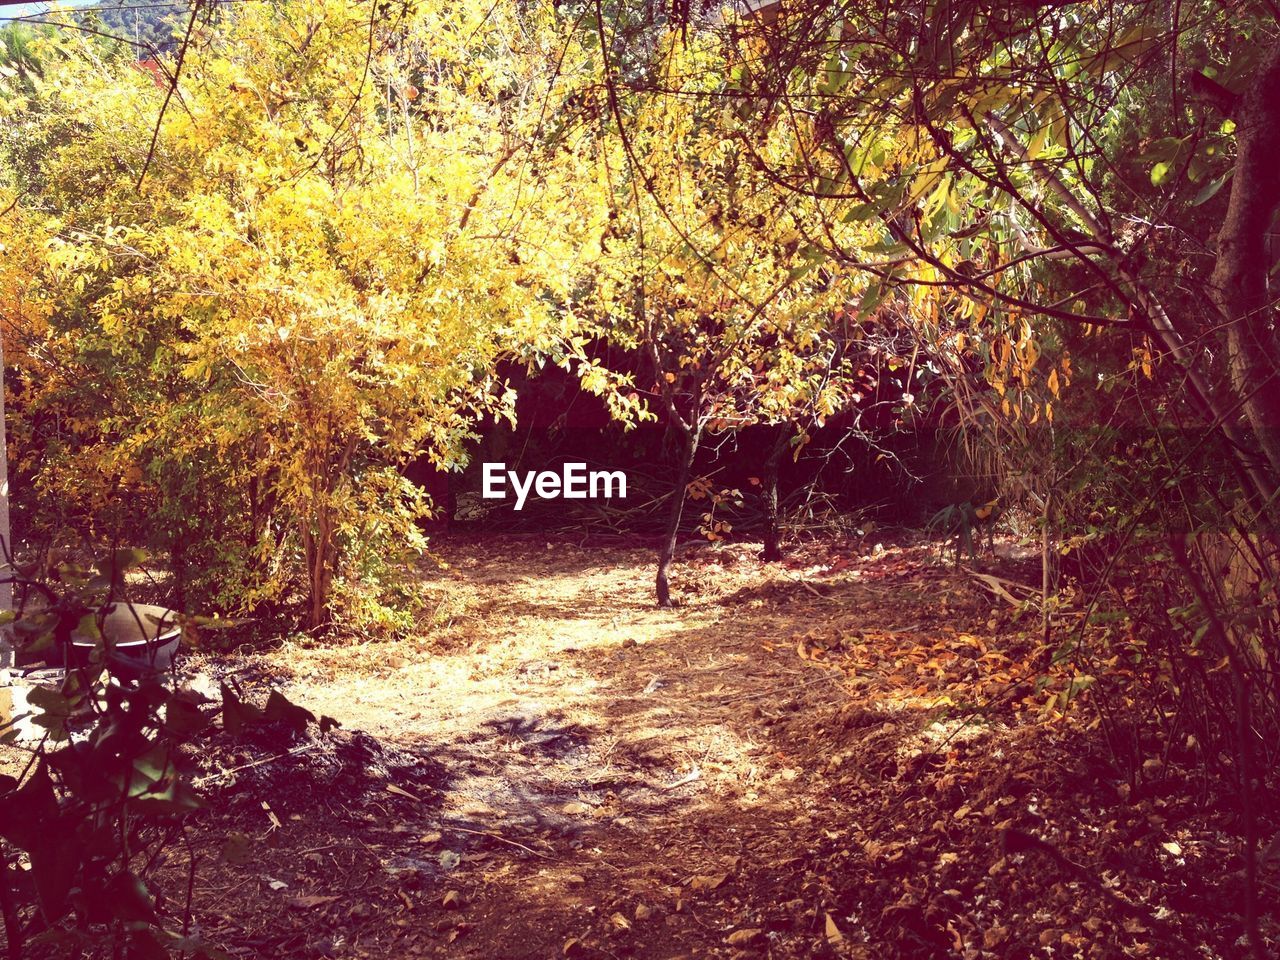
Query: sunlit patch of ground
575, 700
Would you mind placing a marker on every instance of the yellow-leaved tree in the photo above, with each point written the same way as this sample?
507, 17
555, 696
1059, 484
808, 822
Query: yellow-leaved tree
706, 275
264, 275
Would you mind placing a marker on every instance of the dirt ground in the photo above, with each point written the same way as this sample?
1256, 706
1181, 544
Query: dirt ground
787, 765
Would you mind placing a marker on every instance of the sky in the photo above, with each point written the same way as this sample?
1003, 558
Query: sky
9, 11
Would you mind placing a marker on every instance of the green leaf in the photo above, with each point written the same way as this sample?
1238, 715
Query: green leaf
1165, 149
182, 717
1160, 173
836, 77
55, 859
26, 812
127, 558
1210, 190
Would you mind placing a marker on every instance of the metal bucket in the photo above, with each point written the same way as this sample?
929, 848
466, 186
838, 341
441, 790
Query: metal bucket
141, 636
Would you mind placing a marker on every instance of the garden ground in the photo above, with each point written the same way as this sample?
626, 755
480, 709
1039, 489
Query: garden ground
789, 764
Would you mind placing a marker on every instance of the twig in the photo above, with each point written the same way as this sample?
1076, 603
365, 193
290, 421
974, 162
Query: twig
502, 839
995, 585
807, 586
1250, 827
173, 87
783, 688
691, 776
192, 860
256, 763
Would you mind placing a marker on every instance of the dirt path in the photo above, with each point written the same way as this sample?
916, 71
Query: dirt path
630, 747
563, 770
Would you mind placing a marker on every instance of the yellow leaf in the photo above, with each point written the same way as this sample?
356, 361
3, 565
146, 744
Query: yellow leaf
1030, 353
834, 936
1036, 146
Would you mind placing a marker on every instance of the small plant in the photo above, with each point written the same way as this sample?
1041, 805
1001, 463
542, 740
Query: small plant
959, 522
104, 793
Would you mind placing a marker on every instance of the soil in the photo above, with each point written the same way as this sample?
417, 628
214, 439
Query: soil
789, 764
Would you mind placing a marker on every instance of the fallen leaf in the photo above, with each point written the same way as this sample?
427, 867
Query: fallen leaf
236, 849
620, 923
708, 881
740, 938
834, 936
271, 815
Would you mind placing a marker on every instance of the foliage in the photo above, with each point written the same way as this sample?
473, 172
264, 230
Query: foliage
106, 789
699, 280
149, 30
307, 283
963, 523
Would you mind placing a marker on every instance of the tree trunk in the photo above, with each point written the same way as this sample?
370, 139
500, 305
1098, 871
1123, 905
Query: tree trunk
6, 541
321, 559
1239, 283
689, 450
772, 522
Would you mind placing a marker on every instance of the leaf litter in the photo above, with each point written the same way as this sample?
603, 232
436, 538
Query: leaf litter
873, 767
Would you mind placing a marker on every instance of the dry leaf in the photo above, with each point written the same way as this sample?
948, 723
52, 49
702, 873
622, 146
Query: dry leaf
620, 923
708, 881
740, 938
834, 936
271, 815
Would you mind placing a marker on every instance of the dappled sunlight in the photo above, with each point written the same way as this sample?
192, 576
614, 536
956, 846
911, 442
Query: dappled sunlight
576, 704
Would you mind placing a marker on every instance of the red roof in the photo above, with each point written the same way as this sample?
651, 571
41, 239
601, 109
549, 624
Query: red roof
157, 72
